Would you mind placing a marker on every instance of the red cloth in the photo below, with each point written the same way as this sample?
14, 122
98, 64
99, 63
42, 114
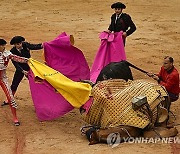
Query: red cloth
170, 80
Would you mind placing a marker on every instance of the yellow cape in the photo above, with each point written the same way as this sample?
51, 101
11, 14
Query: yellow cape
76, 93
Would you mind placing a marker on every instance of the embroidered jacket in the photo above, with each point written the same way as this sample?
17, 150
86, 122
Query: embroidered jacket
6, 55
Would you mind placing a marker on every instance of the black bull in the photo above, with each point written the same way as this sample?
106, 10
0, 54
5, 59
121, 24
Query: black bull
116, 70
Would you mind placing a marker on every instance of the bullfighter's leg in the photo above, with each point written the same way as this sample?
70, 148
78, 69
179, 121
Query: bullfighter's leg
18, 76
10, 98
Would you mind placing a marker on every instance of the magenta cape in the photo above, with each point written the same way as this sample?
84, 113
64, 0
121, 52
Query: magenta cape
111, 50
70, 61
48, 104
65, 58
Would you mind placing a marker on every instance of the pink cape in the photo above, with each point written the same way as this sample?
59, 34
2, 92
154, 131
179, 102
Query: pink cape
70, 61
111, 50
48, 104
65, 58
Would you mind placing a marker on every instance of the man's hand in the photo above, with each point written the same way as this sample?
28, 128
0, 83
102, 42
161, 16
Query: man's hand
124, 34
150, 74
108, 31
155, 77
26, 60
25, 73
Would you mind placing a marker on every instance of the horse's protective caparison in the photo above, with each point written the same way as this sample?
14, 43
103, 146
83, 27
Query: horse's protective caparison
112, 110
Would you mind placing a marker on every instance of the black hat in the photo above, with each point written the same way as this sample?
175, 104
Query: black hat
2, 42
118, 5
17, 39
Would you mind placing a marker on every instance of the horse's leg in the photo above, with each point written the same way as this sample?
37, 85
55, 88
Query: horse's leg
160, 132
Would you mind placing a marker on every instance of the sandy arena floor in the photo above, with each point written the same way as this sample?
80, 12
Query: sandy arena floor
157, 35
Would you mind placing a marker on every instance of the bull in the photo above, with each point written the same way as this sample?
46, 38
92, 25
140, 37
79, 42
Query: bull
116, 70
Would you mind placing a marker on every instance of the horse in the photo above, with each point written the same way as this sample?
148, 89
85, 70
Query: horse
115, 89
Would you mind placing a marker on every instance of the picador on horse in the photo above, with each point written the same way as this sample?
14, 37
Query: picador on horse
131, 108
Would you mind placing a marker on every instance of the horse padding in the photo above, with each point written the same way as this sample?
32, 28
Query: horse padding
112, 103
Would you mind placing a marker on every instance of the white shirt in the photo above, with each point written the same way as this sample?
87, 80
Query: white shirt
117, 17
4, 59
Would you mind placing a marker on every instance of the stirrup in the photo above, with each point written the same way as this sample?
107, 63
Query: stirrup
4, 104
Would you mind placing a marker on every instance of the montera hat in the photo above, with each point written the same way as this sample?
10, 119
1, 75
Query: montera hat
118, 5
17, 39
2, 42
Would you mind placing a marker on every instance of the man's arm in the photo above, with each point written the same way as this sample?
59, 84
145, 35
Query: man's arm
18, 59
111, 26
132, 26
34, 46
16, 64
171, 81
156, 77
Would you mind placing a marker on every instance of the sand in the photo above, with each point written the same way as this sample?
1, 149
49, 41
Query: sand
157, 35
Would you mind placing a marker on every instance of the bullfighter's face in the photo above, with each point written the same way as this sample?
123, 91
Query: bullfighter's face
18, 45
2, 48
118, 10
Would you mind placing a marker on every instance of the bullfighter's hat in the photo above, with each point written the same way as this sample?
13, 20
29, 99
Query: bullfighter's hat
118, 5
17, 39
2, 42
